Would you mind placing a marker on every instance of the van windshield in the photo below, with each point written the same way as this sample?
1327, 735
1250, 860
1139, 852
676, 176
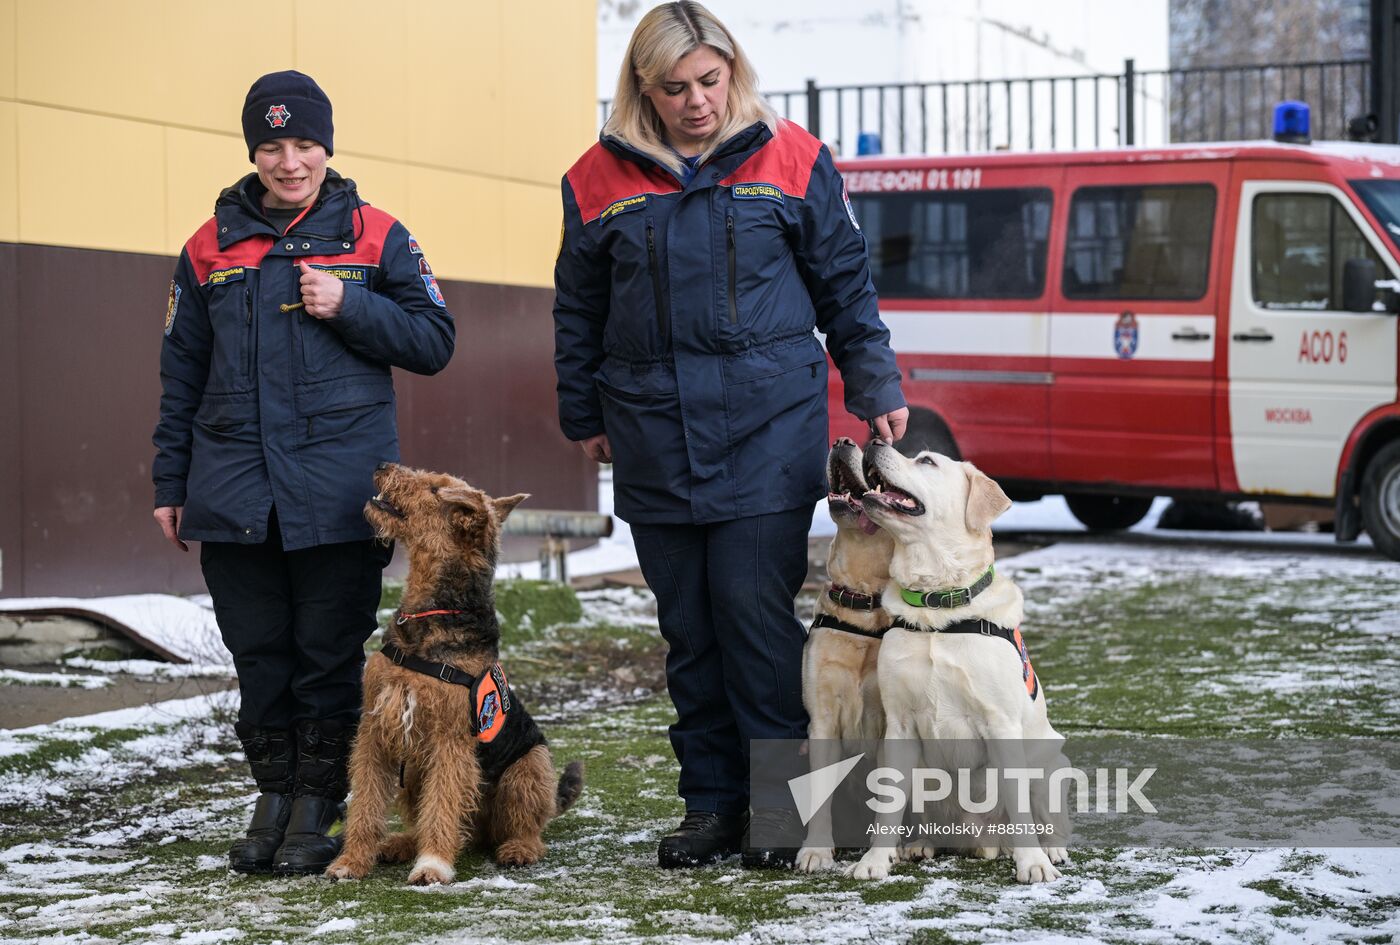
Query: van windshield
1383, 198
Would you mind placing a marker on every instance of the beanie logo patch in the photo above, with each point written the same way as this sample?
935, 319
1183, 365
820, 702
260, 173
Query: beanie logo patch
277, 116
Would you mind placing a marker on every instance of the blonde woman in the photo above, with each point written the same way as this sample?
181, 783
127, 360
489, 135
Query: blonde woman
704, 240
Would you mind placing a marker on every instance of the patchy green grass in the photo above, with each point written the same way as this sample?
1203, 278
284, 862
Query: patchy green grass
119, 836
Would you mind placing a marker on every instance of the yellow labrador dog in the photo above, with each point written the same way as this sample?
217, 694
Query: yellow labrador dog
953, 670
839, 684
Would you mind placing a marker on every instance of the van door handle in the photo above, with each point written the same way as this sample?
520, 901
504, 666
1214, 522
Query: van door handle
1257, 334
1190, 334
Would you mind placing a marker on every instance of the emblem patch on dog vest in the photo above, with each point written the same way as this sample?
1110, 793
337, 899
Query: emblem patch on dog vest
1028, 675
490, 704
172, 306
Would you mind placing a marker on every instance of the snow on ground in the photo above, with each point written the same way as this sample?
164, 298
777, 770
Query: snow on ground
16, 677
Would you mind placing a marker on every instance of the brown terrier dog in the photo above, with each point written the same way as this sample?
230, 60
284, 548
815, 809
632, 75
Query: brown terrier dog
438, 714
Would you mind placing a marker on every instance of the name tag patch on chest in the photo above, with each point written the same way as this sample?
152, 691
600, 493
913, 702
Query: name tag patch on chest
625, 205
757, 191
355, 274
222, 276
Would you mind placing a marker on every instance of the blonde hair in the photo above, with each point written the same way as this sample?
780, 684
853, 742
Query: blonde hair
665, 36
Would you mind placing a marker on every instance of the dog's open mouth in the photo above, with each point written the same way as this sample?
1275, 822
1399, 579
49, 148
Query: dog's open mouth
385, 506
846, 486
888, 496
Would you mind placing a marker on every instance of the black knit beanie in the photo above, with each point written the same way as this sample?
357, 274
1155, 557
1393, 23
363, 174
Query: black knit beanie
287, 105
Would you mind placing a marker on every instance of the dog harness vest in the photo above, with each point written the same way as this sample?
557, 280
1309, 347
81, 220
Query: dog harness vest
953, 597
503, 730
852, 600
833, 623
988, 629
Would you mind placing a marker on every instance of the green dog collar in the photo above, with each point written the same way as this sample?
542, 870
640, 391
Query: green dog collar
954, 597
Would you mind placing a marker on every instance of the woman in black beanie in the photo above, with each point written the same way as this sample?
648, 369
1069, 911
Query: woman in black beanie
288, 308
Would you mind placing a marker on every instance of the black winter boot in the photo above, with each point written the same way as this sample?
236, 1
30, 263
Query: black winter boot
273, 760
772, 825
703, 837
318, 805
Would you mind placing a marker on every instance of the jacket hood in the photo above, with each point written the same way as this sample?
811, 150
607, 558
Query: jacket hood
741, 144
239, 210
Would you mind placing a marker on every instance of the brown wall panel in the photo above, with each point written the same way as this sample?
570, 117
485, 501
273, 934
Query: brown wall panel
11, 456
88, 386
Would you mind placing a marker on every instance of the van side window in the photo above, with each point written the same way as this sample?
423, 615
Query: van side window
1299, 247
976, 244
1147, 242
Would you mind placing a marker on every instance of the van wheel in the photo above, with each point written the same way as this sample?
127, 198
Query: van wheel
927, 432
1108, 513
1380, 500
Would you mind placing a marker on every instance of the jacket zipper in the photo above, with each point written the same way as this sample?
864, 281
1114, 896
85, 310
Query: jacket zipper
247, 332
662, 314
733, 301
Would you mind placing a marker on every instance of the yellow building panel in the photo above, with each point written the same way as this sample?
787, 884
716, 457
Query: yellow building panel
357, 51
457, 220
454, 87
163, 61
107, 193
9, 178
550, 123
382, 183
531, 224
9, 12
198, 166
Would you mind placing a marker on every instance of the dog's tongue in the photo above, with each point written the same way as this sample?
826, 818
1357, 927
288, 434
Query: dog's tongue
866, 525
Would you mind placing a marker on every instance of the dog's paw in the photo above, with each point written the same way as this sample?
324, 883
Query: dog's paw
430, 871
987, 853
520, 852
1058, 855
346, 868
398, 848
874, 865
917, 850
812, 859
1033, 866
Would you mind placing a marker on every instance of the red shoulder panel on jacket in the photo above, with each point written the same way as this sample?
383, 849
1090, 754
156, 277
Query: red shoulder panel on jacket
786, 162
369, 246
206, 256
600, 179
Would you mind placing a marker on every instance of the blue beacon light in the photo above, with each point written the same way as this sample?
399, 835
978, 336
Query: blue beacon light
1292, 123
868, 144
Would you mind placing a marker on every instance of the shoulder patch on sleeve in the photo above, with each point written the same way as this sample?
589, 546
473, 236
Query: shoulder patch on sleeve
172, 306
846, 199
425, 272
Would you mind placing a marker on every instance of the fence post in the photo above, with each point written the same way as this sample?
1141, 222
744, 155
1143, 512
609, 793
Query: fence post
1385, 75
1126, 132
814, 109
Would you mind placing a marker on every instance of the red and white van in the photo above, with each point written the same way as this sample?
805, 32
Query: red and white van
1208, 321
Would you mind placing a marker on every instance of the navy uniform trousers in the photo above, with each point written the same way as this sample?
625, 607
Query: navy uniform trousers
296, 623
724, 597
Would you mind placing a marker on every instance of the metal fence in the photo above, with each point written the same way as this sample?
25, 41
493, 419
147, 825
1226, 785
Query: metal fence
1153, 107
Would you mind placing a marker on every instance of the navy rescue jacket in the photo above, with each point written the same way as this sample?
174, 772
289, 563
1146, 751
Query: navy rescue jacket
262, 407
684, 317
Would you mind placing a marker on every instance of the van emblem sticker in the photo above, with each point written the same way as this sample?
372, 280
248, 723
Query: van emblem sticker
1125, 335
